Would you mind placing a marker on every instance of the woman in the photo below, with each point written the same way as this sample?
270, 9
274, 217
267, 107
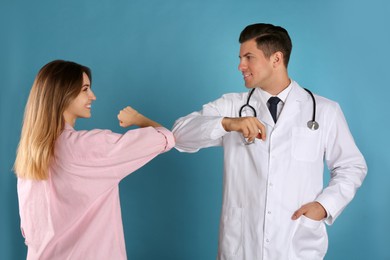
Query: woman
67, 179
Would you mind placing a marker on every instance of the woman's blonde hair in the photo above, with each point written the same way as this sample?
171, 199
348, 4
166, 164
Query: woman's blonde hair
55, 86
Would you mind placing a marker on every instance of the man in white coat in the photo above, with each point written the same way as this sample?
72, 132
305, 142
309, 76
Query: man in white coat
275, 205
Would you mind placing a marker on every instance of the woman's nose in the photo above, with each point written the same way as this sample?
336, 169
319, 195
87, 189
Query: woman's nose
92, 95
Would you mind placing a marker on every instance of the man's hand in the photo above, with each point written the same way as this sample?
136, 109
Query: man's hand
250, 127
313, 210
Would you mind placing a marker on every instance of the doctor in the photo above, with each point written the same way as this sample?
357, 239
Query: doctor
275, 205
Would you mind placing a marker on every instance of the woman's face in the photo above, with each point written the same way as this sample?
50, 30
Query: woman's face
80, 107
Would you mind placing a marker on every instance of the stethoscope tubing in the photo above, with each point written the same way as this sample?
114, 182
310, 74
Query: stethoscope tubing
247, 104
314, 105
311, 124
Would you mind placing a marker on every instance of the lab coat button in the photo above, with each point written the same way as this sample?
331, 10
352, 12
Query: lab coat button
267, 240
269, 212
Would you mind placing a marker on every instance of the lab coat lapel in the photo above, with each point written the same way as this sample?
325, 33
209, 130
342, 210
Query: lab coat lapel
264, 115
293, 103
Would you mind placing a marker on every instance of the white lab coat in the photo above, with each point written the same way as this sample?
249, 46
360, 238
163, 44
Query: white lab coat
266, 182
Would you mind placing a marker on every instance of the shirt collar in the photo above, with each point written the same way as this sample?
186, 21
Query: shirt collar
264, 95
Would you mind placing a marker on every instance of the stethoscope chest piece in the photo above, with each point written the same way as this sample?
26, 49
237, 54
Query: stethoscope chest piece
312, 125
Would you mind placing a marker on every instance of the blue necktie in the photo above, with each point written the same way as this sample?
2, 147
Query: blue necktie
273, 107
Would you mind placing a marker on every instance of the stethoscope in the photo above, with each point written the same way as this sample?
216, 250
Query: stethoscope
311, 124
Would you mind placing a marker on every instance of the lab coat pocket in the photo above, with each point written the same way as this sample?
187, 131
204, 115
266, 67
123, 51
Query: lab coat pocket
310, 240
305, 144
231, 231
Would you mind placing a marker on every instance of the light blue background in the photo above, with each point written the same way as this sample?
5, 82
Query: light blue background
166, 59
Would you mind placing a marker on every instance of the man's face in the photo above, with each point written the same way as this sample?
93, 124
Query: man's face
255, 67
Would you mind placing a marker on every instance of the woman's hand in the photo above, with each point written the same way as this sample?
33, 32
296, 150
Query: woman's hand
129, 116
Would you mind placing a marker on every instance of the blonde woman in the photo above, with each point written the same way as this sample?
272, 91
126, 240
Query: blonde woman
67, 179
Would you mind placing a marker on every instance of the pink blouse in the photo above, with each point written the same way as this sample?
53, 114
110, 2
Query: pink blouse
76, 214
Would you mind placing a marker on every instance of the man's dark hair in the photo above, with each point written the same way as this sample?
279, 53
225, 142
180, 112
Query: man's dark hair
269, 39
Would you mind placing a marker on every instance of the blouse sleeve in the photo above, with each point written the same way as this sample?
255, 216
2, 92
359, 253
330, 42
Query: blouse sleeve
102, 153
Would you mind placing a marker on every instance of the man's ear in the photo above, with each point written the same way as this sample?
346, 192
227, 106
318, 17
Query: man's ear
277, 59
